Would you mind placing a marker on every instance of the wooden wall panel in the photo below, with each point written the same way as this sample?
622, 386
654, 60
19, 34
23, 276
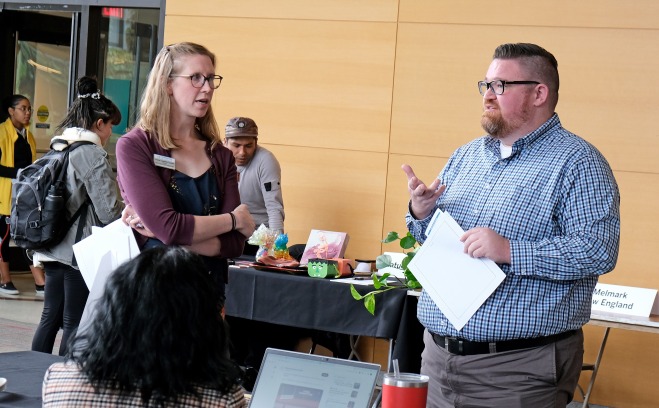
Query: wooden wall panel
320, 84
344, 10
437, 106
335, 190
559, 13
609, 93
638, 258
629, 371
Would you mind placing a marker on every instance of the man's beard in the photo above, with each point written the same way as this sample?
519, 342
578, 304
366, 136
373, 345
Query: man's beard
493, 123
498, 127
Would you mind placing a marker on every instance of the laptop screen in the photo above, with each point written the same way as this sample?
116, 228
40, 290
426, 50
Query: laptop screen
299, 380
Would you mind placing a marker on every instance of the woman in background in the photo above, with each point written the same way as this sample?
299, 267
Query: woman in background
157, 339
18, 149
90, 182
177, 179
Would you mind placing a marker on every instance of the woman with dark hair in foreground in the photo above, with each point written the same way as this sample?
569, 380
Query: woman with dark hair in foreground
157, 339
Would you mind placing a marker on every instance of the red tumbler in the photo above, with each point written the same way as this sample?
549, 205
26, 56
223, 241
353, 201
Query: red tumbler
406, 390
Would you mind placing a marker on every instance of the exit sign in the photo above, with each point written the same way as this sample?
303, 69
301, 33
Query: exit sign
115, 12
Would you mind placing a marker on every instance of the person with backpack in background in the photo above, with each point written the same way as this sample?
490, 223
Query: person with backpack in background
90, 182
18, 149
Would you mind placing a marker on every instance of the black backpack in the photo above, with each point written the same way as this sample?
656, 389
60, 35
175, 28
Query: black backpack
38, 196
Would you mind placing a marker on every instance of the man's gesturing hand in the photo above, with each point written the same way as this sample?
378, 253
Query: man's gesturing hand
422, 197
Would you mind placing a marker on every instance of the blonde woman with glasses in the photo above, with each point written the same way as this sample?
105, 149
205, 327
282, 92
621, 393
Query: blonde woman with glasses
178, 180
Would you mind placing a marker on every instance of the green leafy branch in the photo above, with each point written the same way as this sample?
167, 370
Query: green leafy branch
381, 286
409, 245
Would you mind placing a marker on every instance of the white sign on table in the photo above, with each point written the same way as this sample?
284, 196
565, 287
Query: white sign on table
625, 300
396, 268
456, 282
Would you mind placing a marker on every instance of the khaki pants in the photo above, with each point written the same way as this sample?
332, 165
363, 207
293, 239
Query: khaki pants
540, 377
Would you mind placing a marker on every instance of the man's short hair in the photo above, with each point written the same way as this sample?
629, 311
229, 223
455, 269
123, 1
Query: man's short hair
241, 127
535, 59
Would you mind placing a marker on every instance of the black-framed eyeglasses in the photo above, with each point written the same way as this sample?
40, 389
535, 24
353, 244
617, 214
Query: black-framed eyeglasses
23, 108
498, 86
198, 80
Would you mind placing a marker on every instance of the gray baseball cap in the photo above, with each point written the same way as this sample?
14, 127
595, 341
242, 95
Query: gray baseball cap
241, 127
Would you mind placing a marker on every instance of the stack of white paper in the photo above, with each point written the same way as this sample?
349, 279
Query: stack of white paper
98, 255
456, 282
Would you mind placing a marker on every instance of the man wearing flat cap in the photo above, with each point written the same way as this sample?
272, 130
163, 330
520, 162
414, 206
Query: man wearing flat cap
259, 183
259, 175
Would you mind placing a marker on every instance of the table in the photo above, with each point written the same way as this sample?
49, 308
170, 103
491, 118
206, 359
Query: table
614, 321
320, 304
24, 371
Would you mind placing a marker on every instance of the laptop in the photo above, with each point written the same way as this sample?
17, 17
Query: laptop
290, 379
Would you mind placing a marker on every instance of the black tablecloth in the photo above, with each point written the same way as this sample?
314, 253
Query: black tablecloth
322, 304
24, 371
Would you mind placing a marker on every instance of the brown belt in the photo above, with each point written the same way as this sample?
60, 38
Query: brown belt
461, 347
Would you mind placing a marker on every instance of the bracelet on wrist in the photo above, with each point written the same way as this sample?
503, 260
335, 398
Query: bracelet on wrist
233, 221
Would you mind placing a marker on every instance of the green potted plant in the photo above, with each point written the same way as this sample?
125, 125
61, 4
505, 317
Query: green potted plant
409, 246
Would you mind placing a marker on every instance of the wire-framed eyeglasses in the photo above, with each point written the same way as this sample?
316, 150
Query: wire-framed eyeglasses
198, 80
23, 108
498, 86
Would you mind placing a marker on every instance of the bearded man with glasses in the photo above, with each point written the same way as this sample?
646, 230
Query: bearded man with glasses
543, 204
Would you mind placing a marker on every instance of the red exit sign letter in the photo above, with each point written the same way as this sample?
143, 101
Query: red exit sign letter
115, 12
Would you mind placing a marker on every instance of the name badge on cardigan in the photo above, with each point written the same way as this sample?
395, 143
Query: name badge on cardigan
164, 161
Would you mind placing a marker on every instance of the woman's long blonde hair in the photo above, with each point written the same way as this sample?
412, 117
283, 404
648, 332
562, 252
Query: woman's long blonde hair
155, 105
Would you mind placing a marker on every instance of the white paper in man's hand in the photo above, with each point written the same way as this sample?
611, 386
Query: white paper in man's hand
456, 282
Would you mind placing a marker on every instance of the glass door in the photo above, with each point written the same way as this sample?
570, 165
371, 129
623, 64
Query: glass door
50, 45
127, 44
42, 68
42, 75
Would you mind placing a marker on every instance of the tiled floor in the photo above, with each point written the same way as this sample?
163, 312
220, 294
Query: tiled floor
23, 309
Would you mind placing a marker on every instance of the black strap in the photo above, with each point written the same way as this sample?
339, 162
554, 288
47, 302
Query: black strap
62, 175
67, 150
82, 213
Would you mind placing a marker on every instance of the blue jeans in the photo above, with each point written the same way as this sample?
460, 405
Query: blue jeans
64, 301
